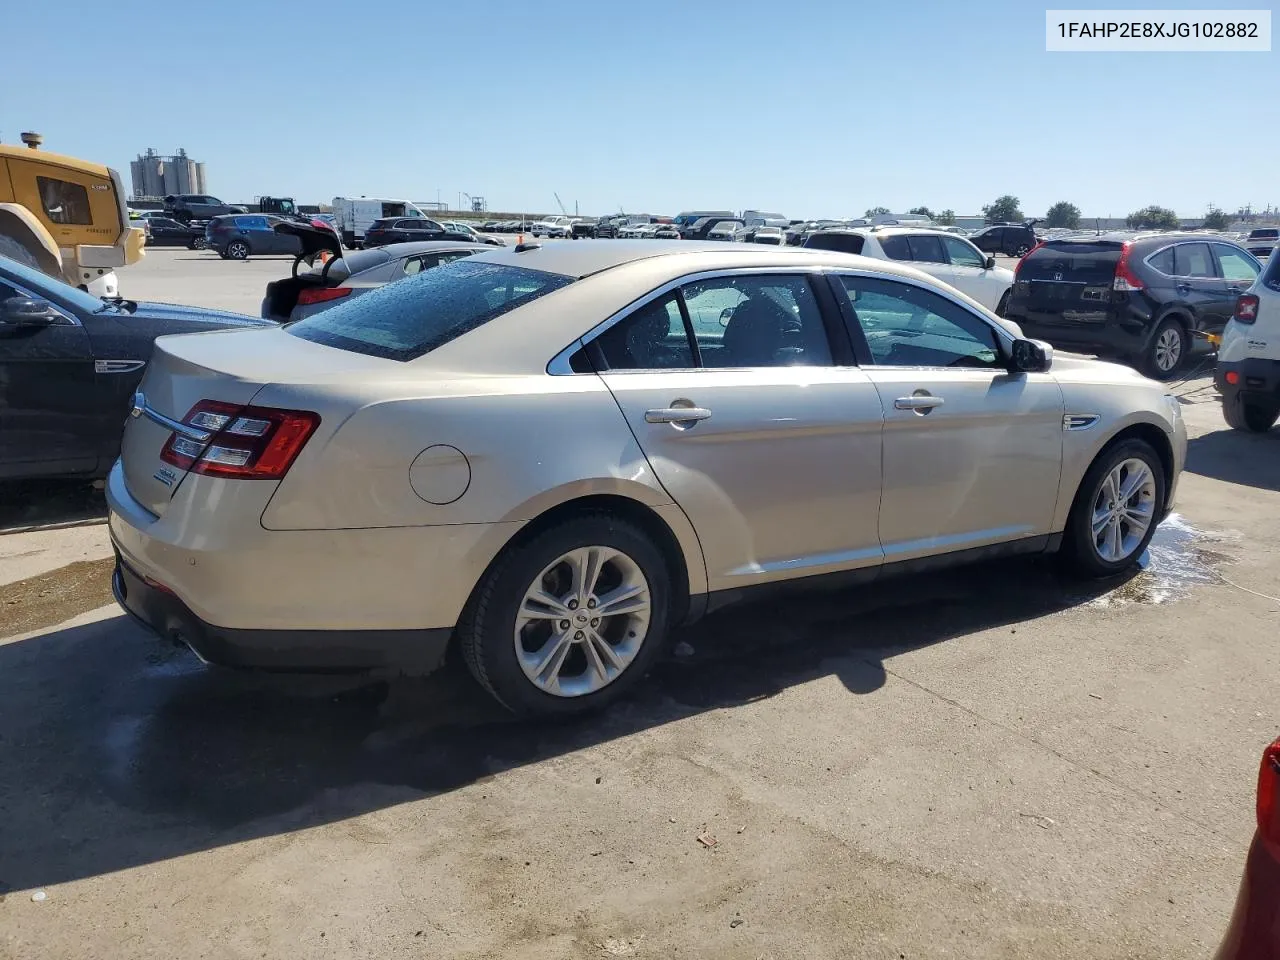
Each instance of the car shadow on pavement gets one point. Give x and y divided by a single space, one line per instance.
120 750
30 503
1250 459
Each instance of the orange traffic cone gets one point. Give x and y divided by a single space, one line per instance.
519 239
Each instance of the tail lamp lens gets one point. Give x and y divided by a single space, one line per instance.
246 443
322 294
1269 795
1246 308
1125 280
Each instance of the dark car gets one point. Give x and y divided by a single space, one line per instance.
1254 931
699 228
323 276
198 206
607 227
249 234
69 365
1140 299
406 229
1261 241
1011 239
583 230
166 232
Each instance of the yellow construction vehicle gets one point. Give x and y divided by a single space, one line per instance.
66 217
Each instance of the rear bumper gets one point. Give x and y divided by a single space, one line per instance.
1253 375
326 651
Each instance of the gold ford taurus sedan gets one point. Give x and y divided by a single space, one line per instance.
555 454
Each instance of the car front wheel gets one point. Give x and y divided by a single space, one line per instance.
1116 510
1252 416
569 620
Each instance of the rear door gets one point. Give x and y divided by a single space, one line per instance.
972 453
755 421
48 395
1063 290
1198 286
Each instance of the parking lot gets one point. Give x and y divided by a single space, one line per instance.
990 762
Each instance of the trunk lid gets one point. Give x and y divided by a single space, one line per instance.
229 366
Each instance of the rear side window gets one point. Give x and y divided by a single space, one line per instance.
896 248
1163 261
927 248
1192 260
411 317
838 242
64 202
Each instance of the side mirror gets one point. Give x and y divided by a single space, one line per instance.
1031 356
989 263
27 312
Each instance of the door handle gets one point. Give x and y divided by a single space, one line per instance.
676 414
918 403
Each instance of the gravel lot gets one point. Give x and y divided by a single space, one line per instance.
991 762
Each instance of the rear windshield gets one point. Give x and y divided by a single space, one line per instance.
1263 234
839 242
1075 261
412 317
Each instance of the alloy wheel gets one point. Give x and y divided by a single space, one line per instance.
582 621
1168 349
238 251
1123 510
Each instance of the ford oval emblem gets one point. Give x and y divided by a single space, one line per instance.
139 401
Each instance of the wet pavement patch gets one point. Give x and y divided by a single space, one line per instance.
55 597
1179 558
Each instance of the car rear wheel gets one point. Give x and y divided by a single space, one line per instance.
1166 351
237 250
1116 510
1253 416
569 620
1021 250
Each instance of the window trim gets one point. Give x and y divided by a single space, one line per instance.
1004 339
558 365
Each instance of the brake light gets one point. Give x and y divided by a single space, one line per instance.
1023 258
245 443
1246 308
322 294
1269 794
1125 279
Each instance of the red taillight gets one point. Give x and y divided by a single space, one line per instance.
1125 279
322 294
1246 308
1023 258
246 443
1269 794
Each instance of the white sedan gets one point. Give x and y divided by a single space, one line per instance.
552 455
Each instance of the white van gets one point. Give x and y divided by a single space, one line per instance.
353 215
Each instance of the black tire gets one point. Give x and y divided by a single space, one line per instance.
1079 546
1003 305
1154 360
1249 415
486 635
237 250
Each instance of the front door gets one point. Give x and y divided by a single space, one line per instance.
48 408
972 453
772 449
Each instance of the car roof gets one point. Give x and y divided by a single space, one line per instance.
588 257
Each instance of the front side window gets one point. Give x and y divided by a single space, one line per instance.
412 317
64 202
927 248
1236 264
1192 260
908 326
963 254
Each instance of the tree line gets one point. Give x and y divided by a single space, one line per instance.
1006 209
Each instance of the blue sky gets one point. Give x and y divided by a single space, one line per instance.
807 108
